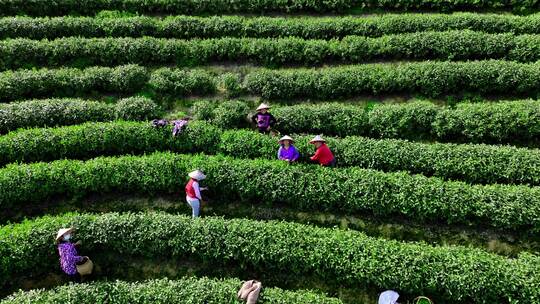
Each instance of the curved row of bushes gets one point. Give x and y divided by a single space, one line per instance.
186 290
70 82
65 7
100 139
453 45
426 78
470 163
187 27
516 122
348 258
304 187
64 112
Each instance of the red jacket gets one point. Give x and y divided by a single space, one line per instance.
323 155
190 191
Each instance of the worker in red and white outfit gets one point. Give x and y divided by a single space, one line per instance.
193 191
323 155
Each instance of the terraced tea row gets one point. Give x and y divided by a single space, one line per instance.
516 122
454 45
307 188
64 112
187 290
64 7
186 27
470 163
344 257
427 78
504 243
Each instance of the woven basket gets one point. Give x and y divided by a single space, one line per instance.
86 268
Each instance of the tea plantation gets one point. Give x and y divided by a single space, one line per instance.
430 108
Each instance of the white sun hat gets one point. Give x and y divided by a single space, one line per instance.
317 138
263 106
286 137
197 174
62 232
388 297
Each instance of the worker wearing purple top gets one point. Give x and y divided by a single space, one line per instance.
287 151
68 254
263 119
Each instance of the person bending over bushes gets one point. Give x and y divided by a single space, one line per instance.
287 151
263 119
323 155
69 258
193 191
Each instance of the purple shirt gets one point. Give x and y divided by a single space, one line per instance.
69 258
263 121
290 154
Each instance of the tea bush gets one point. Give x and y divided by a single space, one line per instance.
186 290
71 82
175 82
427 78
498 123
516 122
344 257
305 187
63 112
226 115
452 45
97 139
471 163
187 27
188 7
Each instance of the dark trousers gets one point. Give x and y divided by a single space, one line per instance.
331 164
76 278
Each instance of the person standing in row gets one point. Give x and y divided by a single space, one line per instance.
323 155
287 151
193 191
263 119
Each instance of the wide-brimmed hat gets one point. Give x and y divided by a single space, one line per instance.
388 297
286 137
197 174
62 232
317 138
263 106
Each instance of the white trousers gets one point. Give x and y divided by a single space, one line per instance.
195 205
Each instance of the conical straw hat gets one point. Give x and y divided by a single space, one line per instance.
263 106
286 137
62 232
197 174
317 138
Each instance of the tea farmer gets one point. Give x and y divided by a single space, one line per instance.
263 119
193 191
323 155
69 258
388 297
287 151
